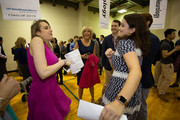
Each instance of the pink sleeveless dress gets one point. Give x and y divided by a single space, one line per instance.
46 100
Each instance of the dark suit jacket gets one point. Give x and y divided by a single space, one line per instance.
63 51
68 47
107 43
147 79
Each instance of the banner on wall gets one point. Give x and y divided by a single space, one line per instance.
158 11
104 8
20 9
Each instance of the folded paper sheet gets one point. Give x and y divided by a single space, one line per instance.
76 61
91 111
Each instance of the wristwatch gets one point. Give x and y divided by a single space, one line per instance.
122 99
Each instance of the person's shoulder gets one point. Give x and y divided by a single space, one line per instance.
78 41
36 40
165 43
93 41
178 42
109 36
126 42
153 36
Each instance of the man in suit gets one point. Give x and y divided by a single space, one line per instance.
147 79
108 42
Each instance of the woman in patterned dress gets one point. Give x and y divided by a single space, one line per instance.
123 94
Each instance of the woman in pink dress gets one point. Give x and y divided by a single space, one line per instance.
46 100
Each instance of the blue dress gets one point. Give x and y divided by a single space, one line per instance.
83 49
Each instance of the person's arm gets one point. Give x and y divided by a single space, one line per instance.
38 52
166 54
9 87
109 53
115 109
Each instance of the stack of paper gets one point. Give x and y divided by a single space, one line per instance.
76 60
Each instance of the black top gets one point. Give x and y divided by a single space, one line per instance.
63 51
107 43
57 50
147 79
166 45
2 60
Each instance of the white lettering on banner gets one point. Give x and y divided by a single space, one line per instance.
104 9
157 10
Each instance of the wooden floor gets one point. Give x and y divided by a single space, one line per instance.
157 109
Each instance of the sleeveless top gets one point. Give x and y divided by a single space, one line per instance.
46 100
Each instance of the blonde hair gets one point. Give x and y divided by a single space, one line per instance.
87 28
35 27
20 42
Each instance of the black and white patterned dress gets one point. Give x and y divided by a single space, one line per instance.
119 76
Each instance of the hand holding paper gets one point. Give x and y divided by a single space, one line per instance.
76 61
90 111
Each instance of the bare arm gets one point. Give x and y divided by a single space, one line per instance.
115 109
166 54
9 87
37 50
109 53
134 76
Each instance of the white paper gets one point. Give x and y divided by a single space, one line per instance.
76 61
91 111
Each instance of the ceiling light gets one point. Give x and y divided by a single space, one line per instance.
122 11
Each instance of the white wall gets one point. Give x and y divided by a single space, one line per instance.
94 23
65 24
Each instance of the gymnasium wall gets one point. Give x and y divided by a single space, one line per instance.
66 23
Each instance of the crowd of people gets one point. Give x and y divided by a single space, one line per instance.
126 55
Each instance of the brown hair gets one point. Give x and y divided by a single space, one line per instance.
35 27
148 17
141 34
20 42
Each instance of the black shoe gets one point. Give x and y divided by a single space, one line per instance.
24 98
61 83
22 88
178 98
174 85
